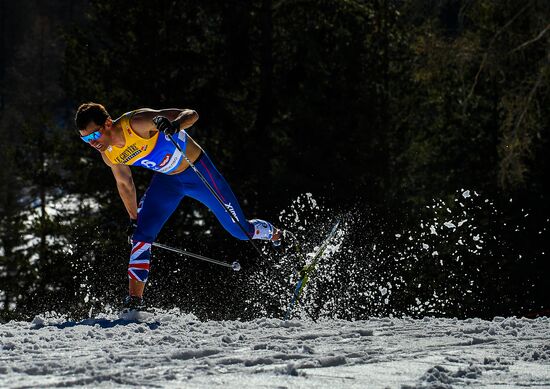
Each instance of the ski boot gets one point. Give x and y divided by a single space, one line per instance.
279 242
133 303
265 231
134 310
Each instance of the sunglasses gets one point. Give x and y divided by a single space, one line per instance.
92 136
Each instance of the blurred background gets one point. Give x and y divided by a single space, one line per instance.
422 124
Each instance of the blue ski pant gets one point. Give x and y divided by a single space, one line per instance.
166 191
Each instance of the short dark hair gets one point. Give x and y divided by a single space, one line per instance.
89 112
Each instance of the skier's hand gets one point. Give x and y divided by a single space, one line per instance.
132 225
165 125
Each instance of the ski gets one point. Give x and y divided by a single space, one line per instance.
308 269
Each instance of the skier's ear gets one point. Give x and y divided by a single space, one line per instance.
108 123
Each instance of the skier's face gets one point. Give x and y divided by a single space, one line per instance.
99 137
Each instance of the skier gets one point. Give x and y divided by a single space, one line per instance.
141 138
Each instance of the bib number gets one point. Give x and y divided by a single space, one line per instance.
148 164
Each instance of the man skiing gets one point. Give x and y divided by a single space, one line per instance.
142 138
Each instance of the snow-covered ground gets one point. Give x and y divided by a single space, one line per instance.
175 350
169 349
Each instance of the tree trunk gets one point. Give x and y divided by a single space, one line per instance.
264 114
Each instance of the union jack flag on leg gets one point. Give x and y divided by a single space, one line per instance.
140 257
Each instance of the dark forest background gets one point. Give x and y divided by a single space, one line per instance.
377 108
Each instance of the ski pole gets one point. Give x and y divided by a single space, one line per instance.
235 265
199 174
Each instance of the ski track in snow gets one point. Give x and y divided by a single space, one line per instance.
168 349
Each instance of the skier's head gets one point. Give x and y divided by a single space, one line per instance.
94 125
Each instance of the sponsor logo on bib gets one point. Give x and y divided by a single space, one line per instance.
128 153
165 160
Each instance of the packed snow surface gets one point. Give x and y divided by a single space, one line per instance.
169 349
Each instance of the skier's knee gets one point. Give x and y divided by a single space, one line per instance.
140 257
144 234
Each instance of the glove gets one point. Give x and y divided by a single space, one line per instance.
131 229
165 125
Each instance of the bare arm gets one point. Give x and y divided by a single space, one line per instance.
125 186
142 120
